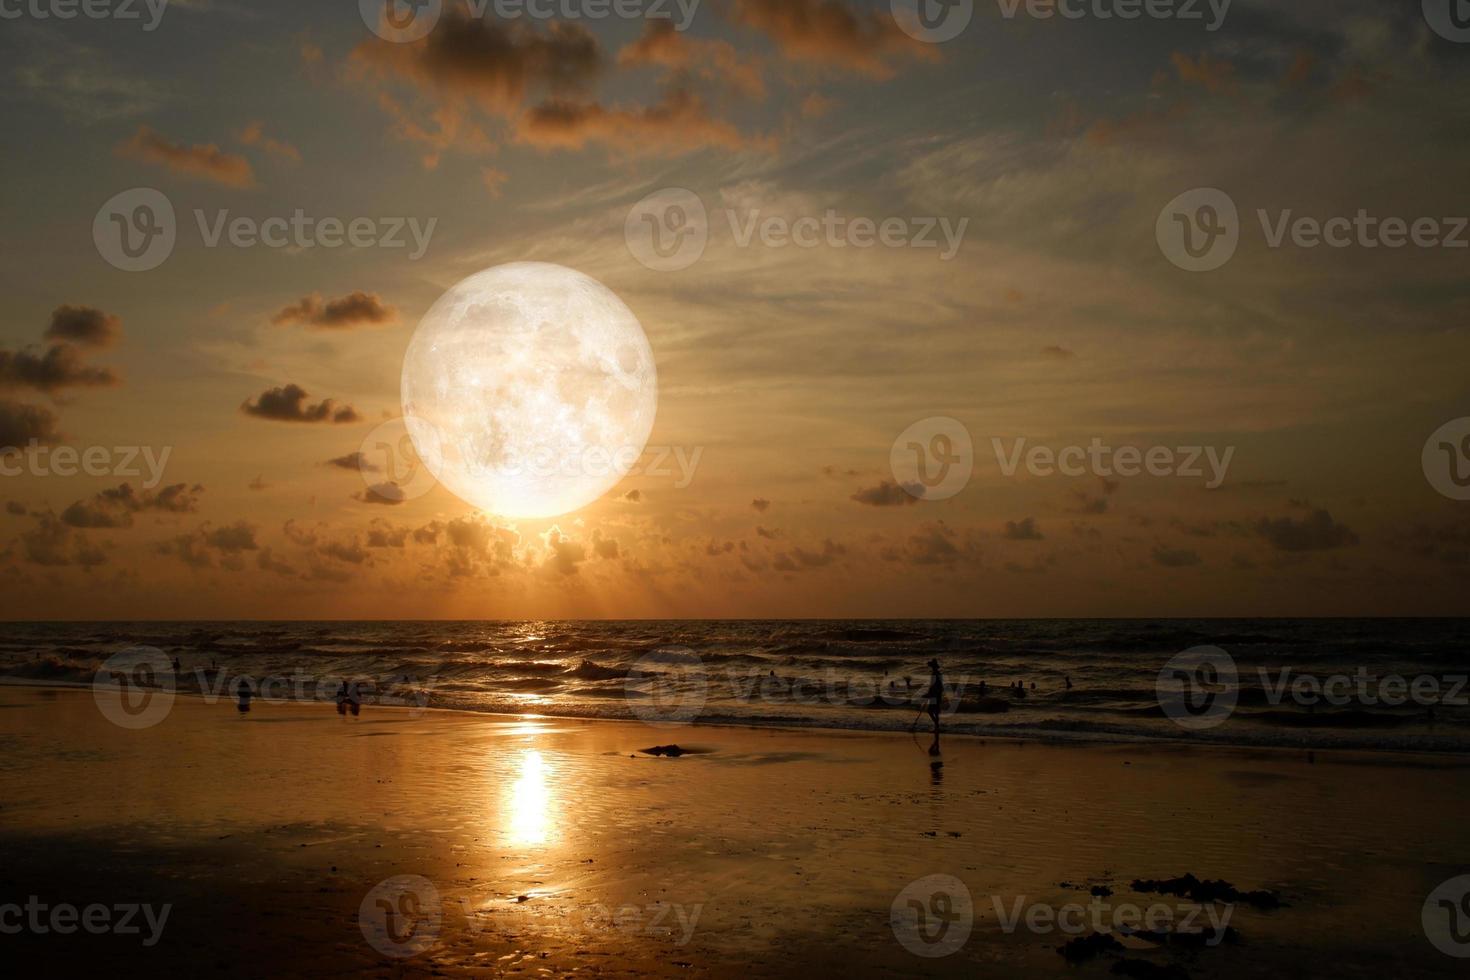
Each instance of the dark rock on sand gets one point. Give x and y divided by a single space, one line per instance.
1208 938
672 751
1215 890
1085 948
1101 891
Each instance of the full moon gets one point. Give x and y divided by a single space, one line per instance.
529 389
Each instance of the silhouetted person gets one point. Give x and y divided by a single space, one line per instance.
1069 681
934 697
243 693
982 689
342 699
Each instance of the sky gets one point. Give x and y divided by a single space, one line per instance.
1050 187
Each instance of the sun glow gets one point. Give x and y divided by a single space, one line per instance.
530 802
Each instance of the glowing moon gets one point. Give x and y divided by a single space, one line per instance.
529 389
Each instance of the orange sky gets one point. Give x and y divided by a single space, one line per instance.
786 371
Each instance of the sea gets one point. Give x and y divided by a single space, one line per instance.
1394 684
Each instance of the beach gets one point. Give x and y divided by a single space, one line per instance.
551 845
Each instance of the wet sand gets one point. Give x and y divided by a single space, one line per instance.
552 846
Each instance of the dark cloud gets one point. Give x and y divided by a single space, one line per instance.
564 555
15 507
1095 503
888 494
633 496
493 63
1175 557
388 493
602 546
115 507
761 504
1025 530
289 404
1317 532
353 461
52 543
84 325
357 309
680 122
198 548
204 161
20 424
382 534
832 33
58 368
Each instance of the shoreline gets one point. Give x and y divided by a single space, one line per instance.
1009 736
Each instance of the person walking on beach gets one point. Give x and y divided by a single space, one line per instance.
243 693
933 697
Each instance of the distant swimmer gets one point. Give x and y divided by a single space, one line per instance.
177 668
1068 679
243 693
342 699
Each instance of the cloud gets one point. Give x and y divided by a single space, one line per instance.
388 493
52 543
604 547
15 507
663 45
382 534
1175 557
833 34
491 63
254 135
198 548
115 507
1318 532
494 181
931 544
20 424
887 494
352 461
1026 530
288 404
204 161
356 309
761 504
1095 503
634 496
564 554
84 325
679 123
58 368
